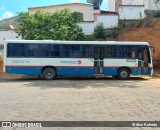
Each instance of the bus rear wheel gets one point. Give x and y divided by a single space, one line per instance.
49 74
123 74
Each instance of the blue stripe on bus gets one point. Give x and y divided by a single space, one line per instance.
110 71
150 71
38 71
113 71
74 71
134 71
68 71
24 71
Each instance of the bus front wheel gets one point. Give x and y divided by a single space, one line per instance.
123 73
49 74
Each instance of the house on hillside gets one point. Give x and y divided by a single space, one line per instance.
136 9
90 12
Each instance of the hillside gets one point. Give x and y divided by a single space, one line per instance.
149 34
5 22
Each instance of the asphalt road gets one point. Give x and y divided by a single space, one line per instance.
74 99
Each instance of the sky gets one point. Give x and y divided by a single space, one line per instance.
10 8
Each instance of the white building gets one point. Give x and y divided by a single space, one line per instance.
136 9
9 34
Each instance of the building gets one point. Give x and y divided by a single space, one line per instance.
7 34
136 9
86 10
90 13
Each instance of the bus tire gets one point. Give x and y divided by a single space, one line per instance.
123 74
49 74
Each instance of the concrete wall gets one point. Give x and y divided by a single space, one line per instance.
86 9
88 27
109 21
4 35
131 12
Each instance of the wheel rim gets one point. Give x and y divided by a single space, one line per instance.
124 74
49 75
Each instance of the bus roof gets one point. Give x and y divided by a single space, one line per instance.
79 42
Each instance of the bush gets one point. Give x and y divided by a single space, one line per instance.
157 14
99 31
112 33
143 22
89 37
121 24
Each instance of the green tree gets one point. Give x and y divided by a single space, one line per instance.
99 31
60 25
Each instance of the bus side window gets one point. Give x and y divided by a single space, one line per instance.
33 50
114 51
131 52
121 51
75 51
140 53
89 51
145 55
108 51
86 51
16 50
55 50
66 50
11 52
45 50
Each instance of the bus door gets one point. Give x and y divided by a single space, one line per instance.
143 59
98 60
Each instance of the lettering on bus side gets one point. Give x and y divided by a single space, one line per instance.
20 61
72 62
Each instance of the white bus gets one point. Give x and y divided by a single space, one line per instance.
49 58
